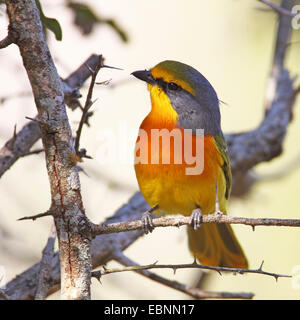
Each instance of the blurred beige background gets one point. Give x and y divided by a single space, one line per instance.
231 43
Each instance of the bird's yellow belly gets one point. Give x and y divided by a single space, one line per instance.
168 185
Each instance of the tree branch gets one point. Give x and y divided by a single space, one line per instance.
191 291
8 40
181 221
104 246
265 142
134 267
71 223
24 286
30 133
88 102
44 279
278 9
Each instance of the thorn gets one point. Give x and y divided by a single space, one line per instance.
195 261
14 137
253 227
97 275
35 120
91 103
261 265
109 67
154 263
80 169
223 102
174 270
276 278
41 122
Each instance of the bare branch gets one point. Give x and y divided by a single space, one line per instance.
24 286
37 151
72 226
40 215
191 291
45 280
282 39
194 265
23 141
181 221
265 142
88 103
30 133
8 40
278 9
103 249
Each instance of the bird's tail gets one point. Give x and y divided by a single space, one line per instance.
216 245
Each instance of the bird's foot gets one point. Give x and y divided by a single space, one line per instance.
146 219
196 219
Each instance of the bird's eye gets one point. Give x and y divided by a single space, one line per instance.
173 86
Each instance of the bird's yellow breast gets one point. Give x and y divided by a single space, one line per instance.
168 185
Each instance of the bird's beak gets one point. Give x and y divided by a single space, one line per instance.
144 75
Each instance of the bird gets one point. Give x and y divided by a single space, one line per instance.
185 105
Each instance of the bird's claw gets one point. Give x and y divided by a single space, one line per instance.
196 219
147 223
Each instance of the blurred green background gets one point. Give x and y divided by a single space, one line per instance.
231 43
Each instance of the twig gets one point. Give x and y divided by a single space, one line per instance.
193 265
45 280
278 9
31 133
191 291
8 40
180 221
88 103
40 215
37 151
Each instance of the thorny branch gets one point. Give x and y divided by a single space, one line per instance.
30 133
98 274
181 221
74 236
88 103
44 281
190 291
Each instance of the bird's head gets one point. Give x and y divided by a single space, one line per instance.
187 92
